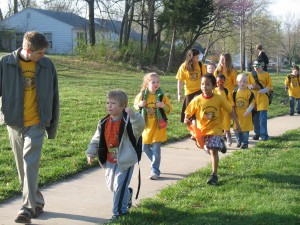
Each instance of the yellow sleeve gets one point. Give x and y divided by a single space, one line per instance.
137 99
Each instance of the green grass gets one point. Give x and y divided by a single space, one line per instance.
83 86
258 186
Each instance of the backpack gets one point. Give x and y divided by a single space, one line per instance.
138 146
162 112
250 99
269 94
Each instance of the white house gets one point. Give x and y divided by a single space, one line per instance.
62 30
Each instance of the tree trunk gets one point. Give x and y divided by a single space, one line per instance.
129 22
150 35
172 50
92 34
142 26
15 6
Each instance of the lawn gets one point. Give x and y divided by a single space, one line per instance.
260 186
83 86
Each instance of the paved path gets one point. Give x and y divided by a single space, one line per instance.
85 199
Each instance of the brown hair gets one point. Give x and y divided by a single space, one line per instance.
34 41
228 67
118 95
189 64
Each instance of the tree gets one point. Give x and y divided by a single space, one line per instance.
91 7
190 16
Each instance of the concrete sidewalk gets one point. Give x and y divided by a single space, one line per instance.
85 199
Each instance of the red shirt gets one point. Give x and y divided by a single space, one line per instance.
111 134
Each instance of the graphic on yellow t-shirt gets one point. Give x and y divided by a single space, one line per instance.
31 115
194 75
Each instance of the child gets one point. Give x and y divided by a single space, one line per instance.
244 102
210 68
115 150
207 108
292 85
221 90
153 105
225 67
189 74
261 88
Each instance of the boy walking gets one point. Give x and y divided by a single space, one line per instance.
260 82
116 153
30 104
292 85
244 102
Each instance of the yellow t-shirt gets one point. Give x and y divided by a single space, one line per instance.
261 100
294 86
31 112
208 113
241 105
191 79
152 133
225 115
230 81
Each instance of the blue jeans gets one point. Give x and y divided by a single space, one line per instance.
153 152
118 182
292 105
242 137
260 124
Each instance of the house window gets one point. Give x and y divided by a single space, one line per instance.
80 38
19 39
49 38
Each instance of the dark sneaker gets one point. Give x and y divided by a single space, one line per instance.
38 211
255 137
23 218
213 180
244 146
291 114
129 204
223 148
238 144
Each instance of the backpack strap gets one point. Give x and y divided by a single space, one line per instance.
138 148
234 95
226 92
254 75
251 97
200 65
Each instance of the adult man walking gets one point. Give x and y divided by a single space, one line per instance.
30 104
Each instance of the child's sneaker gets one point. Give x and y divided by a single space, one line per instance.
229 141
213 180
153 176
223 148
238 144
244 146
129 204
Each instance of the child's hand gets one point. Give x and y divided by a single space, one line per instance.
129 111
142 104
90 160
160 104
187 121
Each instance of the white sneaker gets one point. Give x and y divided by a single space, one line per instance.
153 176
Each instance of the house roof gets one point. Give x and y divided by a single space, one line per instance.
115 26
68 18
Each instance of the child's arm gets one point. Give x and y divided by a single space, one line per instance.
249 109
137 122
165 105
93 147
233 116
179 90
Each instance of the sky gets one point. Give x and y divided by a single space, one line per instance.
278 8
